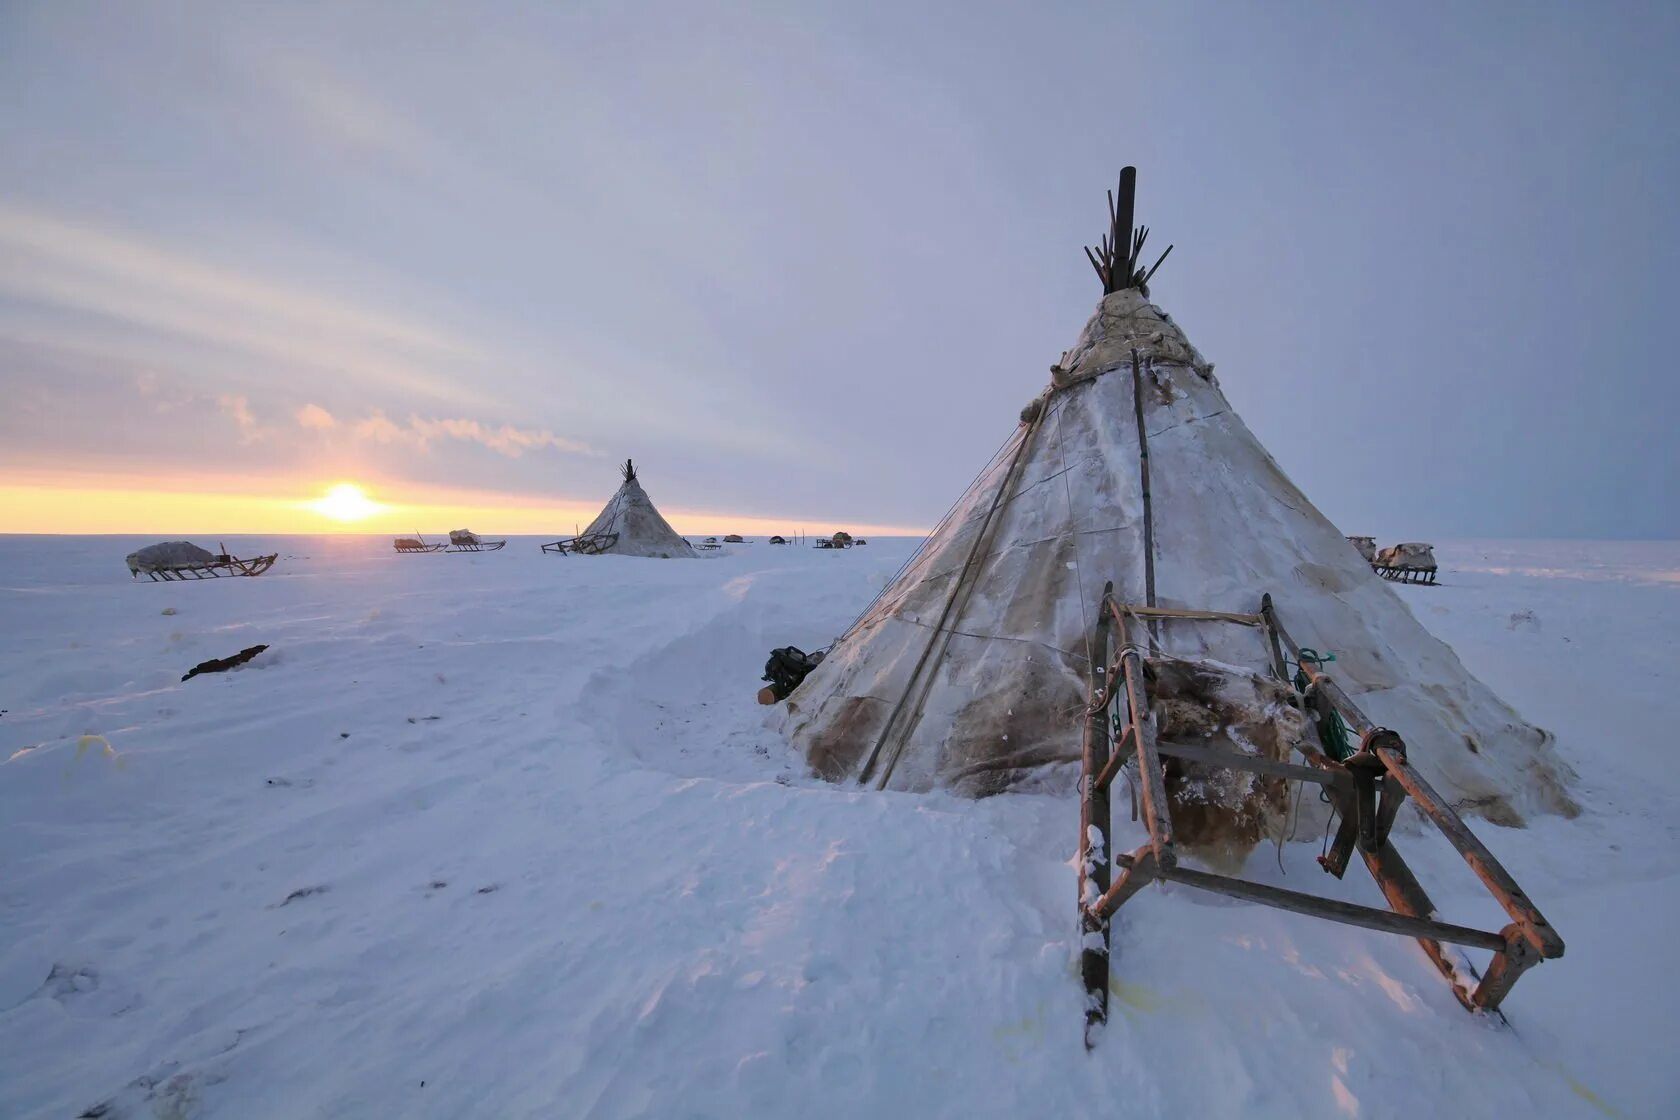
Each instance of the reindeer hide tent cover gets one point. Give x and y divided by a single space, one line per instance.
637 524
971 670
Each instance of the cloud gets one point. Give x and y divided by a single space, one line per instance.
316 418
152 287
239 409
504 439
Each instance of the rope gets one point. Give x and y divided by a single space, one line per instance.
927 540
1332 729
959 585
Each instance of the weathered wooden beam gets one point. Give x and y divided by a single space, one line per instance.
1407 896
1179 612
1148 507
1488 869
1123 225
1094 837
1150 775
1253 763
1141 869
1518 956
1348 913
1117 758
1268 615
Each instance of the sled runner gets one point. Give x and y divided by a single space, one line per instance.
1406 563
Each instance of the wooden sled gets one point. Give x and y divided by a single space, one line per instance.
1366 789
221 565
588 544
417 544
474 544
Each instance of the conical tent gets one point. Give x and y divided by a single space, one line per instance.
972 668
633 526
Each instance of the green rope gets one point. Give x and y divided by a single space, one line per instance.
1332 729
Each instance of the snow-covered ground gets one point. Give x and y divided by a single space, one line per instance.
505 835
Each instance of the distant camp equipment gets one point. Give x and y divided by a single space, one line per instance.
1107 595
778 540
629 525
172 561
465 540
1407 563
733 538
418 544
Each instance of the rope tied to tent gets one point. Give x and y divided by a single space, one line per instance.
1332 728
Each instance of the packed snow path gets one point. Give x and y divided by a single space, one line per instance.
506 835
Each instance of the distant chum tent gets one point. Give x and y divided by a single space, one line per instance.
1133 571
628 525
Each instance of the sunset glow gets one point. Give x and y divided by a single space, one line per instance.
345 501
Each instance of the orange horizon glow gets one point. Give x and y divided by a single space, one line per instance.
247 507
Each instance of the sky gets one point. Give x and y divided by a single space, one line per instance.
805 263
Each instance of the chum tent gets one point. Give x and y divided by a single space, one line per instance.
1133 571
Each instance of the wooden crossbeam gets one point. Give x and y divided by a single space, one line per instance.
1180 612
1254 763
1348 913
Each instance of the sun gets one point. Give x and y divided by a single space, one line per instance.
345 501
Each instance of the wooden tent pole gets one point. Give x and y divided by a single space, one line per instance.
1148 508
1094 816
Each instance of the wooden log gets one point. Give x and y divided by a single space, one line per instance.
1094 836
1253 763
1117 759
1141 869
1507 966
1123 225
1407 896
1150 775
1488 869
1348 913
1268 616
1393 795
1148 507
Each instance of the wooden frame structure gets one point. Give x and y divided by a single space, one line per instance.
586 544
1367 789
222 564
417 545
473 544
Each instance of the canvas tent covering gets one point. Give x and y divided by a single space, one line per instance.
168 555
971 670
639 528
1413 556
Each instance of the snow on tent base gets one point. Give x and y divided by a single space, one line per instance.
629 525
171 561
981 665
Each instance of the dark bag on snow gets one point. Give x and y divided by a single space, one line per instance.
787 667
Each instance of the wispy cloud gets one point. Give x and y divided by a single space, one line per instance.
315 418
239 409
504 439
145 285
